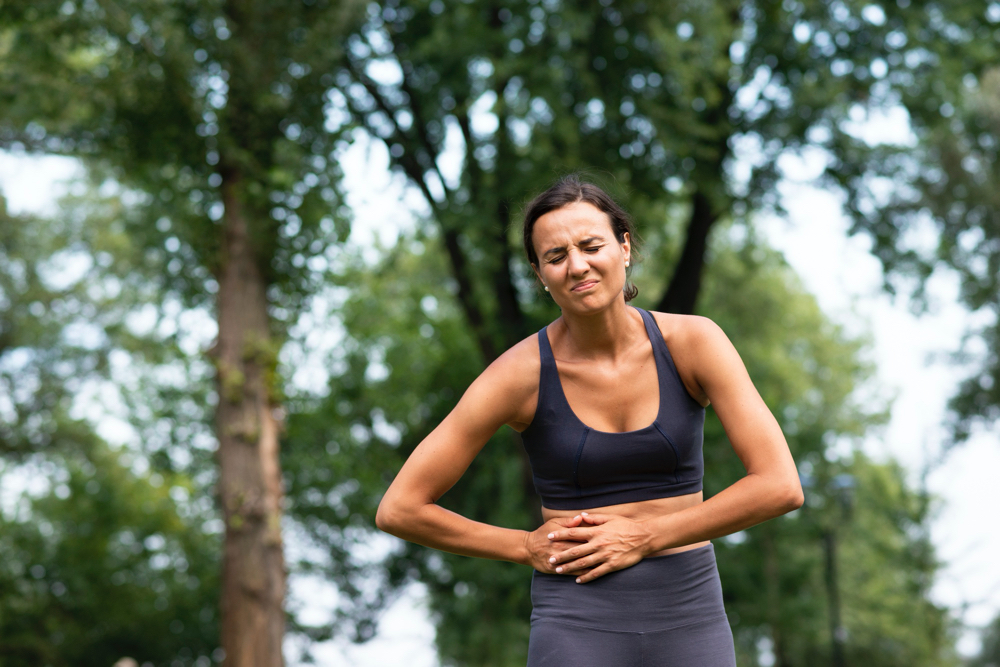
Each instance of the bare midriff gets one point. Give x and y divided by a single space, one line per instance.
640 511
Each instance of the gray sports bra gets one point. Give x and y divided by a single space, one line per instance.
576 467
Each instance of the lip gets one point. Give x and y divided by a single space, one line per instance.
585 285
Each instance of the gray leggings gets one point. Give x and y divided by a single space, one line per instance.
662 611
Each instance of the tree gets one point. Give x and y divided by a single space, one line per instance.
107 564
104 561
214 118
944 188
690 105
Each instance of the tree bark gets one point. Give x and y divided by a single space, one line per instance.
247 426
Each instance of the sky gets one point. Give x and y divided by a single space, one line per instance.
910 353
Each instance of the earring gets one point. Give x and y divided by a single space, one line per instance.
626 263
546 288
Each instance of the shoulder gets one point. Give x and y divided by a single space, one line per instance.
518 366
698 347
689 332
508 388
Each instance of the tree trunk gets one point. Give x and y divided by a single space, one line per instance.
682 294
837 633
772 578
247 426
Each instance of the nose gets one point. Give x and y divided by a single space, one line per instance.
578 264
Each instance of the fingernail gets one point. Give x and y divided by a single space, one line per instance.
551 535
559 569
579 580
552 560
584 513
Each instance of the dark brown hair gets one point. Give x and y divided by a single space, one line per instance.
569 190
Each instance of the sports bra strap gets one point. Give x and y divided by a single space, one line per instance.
550 375
549 386
660 349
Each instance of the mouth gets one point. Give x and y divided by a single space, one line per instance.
584 286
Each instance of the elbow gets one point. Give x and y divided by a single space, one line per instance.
791 496
396 515
386 517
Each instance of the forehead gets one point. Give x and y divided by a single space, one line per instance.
570 223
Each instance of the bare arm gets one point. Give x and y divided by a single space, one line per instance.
503 394
770 488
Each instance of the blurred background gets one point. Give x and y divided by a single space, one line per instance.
252 252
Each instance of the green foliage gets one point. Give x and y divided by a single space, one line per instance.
83 310
39 366
989 655
171 99
662 98
888 566
107 563
932 206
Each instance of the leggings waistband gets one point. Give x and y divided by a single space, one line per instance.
657 593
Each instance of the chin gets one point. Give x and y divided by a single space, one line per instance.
588 304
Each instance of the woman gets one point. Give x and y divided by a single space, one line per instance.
609 400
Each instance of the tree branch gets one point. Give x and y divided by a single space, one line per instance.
449 233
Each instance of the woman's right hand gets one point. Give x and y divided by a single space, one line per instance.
540 548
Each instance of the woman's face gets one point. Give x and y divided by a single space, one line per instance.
579 258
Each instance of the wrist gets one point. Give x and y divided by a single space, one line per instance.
649 537
523 556
657 534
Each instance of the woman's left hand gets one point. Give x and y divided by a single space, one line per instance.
608 542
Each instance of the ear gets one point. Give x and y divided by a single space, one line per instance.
627 246
534 267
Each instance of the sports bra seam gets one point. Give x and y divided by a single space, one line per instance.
677 458
576 461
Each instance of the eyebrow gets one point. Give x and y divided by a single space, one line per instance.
585 241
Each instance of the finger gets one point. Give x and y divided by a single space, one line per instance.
568 521
571 553
555 525
596 519
578 565
572 534
590 575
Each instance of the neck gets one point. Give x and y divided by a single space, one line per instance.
602 334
